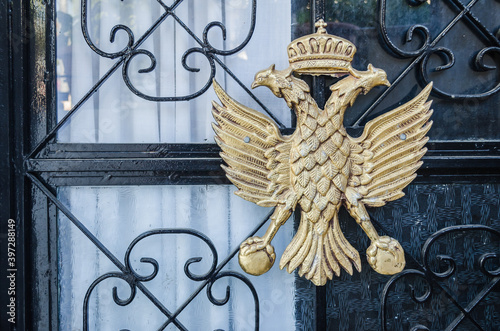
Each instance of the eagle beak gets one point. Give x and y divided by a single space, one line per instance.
254 84
386 82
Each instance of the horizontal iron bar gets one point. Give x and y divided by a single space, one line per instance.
135 178
96 151
86 151
197 164
431 161
219 178
123 165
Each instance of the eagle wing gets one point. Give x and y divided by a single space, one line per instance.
254 149
384 159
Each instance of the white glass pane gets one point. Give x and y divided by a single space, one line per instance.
117 216
113 114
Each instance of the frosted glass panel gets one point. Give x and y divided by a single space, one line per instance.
117 216
114 114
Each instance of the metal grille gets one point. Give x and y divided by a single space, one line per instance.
46 168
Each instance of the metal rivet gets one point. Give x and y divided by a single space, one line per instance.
246 139
402 136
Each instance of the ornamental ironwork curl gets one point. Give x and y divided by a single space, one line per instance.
135 280
225 300
132 278
428 47
431 277
420 54
131 50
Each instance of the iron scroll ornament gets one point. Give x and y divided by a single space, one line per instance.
431 279
136 281
320 167
131 50
429 47
132 278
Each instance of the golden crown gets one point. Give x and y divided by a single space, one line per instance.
321 53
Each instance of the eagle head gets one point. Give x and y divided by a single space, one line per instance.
274 79
371 78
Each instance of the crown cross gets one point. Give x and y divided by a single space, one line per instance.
321 25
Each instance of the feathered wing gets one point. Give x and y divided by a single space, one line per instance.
254 149
384 159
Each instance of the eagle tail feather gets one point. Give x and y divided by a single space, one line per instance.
320 255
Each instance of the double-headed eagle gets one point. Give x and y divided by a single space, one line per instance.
320 167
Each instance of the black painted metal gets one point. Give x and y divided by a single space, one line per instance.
432 277
16 198
6 180
421 55
132 49
135 281
444 160
319 94
52 196
49 165
132 278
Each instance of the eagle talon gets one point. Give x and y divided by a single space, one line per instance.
256 257
251 245
386 256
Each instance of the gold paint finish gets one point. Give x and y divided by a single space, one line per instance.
321 53
320 167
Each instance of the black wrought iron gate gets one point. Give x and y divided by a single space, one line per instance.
448 222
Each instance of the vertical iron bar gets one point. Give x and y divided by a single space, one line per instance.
318 88
318 91
19 87
7 179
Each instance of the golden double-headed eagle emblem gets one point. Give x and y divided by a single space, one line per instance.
320 167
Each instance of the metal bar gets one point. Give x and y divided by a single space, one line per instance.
18 86
101 247
481 295
7 179
122 165
219 268
82 151
454 148
219 178
476 24
417 60
96 86
319 85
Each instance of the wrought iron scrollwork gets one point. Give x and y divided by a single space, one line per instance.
132 50
442 268
132 278
428 47
221 302
136 281
421 53
86 35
